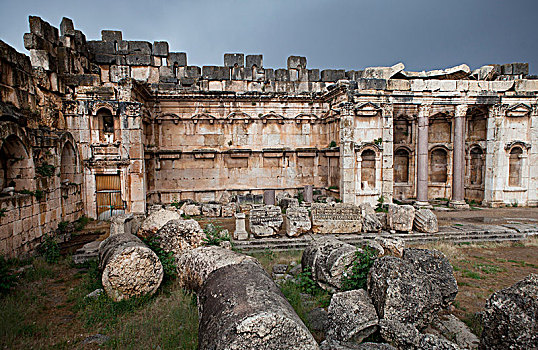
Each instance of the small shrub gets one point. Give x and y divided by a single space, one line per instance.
175 203
62 226
167 258
81 222
38 194
7 279
213 235
3 212
379 207
45 169
332 144
378 141
333 187
49 249
356 277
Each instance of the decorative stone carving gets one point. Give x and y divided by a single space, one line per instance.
265 221
297 221
336 218
425 221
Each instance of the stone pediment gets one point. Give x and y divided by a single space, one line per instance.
203 117
238 116
272 116
518 110
367 109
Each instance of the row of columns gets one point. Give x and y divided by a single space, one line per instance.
458 159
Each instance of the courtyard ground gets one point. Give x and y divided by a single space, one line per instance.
47 308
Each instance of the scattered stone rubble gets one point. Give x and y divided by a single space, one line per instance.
265 221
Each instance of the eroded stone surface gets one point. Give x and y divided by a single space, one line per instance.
297 221
336 218
510 317
400 217
265 221
156 220
179 235
352 316
425 221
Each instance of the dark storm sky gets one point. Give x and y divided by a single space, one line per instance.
423 34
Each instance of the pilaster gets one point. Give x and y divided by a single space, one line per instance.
387 165
422 154
347 151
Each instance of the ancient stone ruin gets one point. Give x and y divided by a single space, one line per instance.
110 126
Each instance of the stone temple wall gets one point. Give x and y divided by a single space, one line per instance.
126 123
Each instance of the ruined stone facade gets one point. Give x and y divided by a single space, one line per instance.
124 124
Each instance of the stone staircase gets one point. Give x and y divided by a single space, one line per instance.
456 233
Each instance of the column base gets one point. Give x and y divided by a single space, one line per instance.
459 205
423 205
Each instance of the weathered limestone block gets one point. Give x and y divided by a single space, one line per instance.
228 210
179 235
435 265
297 221
400 217
425 221
370 222
329 344
352 316
191 209
328 258
211 210
382 72
336 218
242 308
225 198
392 246
402 293
451 327
130 268
510 317
156 220
121 224
265 221
406 336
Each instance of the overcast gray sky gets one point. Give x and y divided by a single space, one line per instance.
349 34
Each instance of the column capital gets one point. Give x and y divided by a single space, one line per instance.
424 110
461 110
347 108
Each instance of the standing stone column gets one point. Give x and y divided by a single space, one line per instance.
422 154
347 151
240 232
458 159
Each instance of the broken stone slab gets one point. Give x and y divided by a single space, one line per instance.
160 49
156 220
400 217
391 246
228 210
296 62
191 209
211 209
254 61
297 221
370 221
176 236
121 224
234 60
330 344
436 266
454 73
336 218
425 221
406 336
352 316
510 317
89 251
242 308
265 221
401 293
327 259
382 72
130 268
452 328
